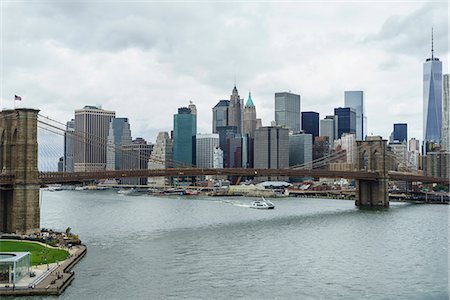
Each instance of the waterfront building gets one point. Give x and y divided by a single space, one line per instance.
220 115
346 120
14 266
206 146
432 100
91 129
329 128
300 149
235 110
218 158
310 123
287 111
184 132
321 147
400 133
135 156
436 164
118 136
446 113
161 158
355 100
400 154
271 148
250 120
69 140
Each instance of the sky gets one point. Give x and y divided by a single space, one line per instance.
144 59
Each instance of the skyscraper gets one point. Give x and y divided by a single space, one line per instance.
91 129
206 145
118 136
271 148
310 123
400 132
287 110
249 117
184 132
329 128
161 158
355 100
235 111
69 140
135 156
220 115
446 114
346 120
300 149
432 99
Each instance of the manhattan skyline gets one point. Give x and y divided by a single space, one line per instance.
126 56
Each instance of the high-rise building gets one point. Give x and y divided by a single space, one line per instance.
220 115
135 156
118 136
355 100
225 133
184 132
300 150
346 120
287 111
310 123
249 117
413 154
206 145
400 132
321 147
91 130
446 113
432 99
61 164
235 110
218 158
161 158
347 142
400 154
271 148
329 128
69 140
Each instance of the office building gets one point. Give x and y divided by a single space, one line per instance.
69 139
250 120
206 145
310 123
300 150
184 132
400 154
355 100
135 156
287 111
436 164
91 129
119 135
235 110
271 148
400 133
347 142
321 147
346 120
432 100
61 164
446 113
226 133
161 158
329 128
218 158
220 115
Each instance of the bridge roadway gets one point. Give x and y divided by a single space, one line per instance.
78 177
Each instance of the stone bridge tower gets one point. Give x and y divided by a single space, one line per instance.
373 157
19 202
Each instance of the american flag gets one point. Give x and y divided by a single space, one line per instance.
17 98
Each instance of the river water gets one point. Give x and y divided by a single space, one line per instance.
149 247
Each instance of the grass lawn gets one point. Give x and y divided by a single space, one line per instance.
38 251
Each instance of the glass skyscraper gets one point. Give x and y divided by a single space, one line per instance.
446 114
355 100
346 120
432 99
287 110
400 132
184 132
310 123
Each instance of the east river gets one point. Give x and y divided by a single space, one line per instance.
149 247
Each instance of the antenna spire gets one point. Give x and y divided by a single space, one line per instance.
432 46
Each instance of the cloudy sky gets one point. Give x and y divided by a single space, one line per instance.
144 59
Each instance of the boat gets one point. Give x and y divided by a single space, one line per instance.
262 204
125 191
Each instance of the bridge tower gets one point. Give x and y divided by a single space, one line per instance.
19 202
373 156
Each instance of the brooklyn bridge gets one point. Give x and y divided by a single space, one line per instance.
20 179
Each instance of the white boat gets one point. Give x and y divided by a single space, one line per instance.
262 204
